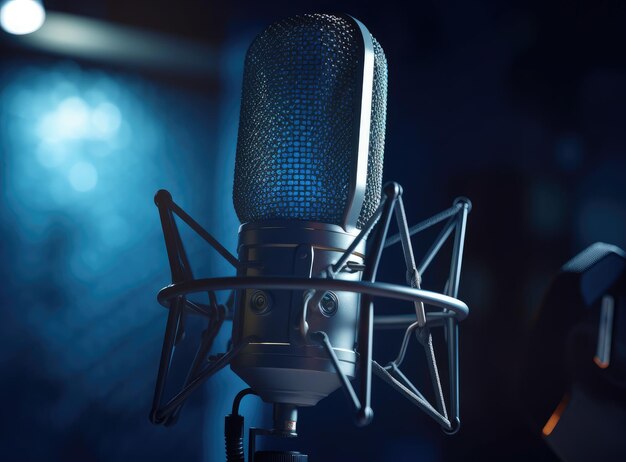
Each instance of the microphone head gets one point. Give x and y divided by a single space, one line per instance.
312 123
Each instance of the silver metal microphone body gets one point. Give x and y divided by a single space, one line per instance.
308 176
284 367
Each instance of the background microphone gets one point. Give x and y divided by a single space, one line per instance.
307 178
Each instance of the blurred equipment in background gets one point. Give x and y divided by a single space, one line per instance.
308 191
576 365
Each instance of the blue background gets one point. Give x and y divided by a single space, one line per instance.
519 106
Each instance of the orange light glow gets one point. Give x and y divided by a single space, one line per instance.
601 364
555 417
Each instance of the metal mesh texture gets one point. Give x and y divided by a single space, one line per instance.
298 120
590 256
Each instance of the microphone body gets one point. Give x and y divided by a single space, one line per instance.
283 368
308 176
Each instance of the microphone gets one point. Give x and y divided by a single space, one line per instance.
315 222
308 173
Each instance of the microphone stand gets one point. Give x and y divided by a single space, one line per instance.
285 421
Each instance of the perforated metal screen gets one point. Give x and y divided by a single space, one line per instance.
297 124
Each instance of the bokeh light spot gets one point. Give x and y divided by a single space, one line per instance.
69 121
21 17
83 176
72 117
106 120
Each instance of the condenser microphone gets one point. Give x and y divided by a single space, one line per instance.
308 174
314 223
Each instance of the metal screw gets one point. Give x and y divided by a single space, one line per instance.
329 304
260 302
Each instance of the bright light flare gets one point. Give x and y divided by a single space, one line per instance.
21 17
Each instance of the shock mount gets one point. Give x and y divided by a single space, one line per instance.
448 313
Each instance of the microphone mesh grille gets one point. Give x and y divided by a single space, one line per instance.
296 127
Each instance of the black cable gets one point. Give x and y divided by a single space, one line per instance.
239 397
233 430
233 435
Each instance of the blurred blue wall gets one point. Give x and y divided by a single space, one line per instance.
83 151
